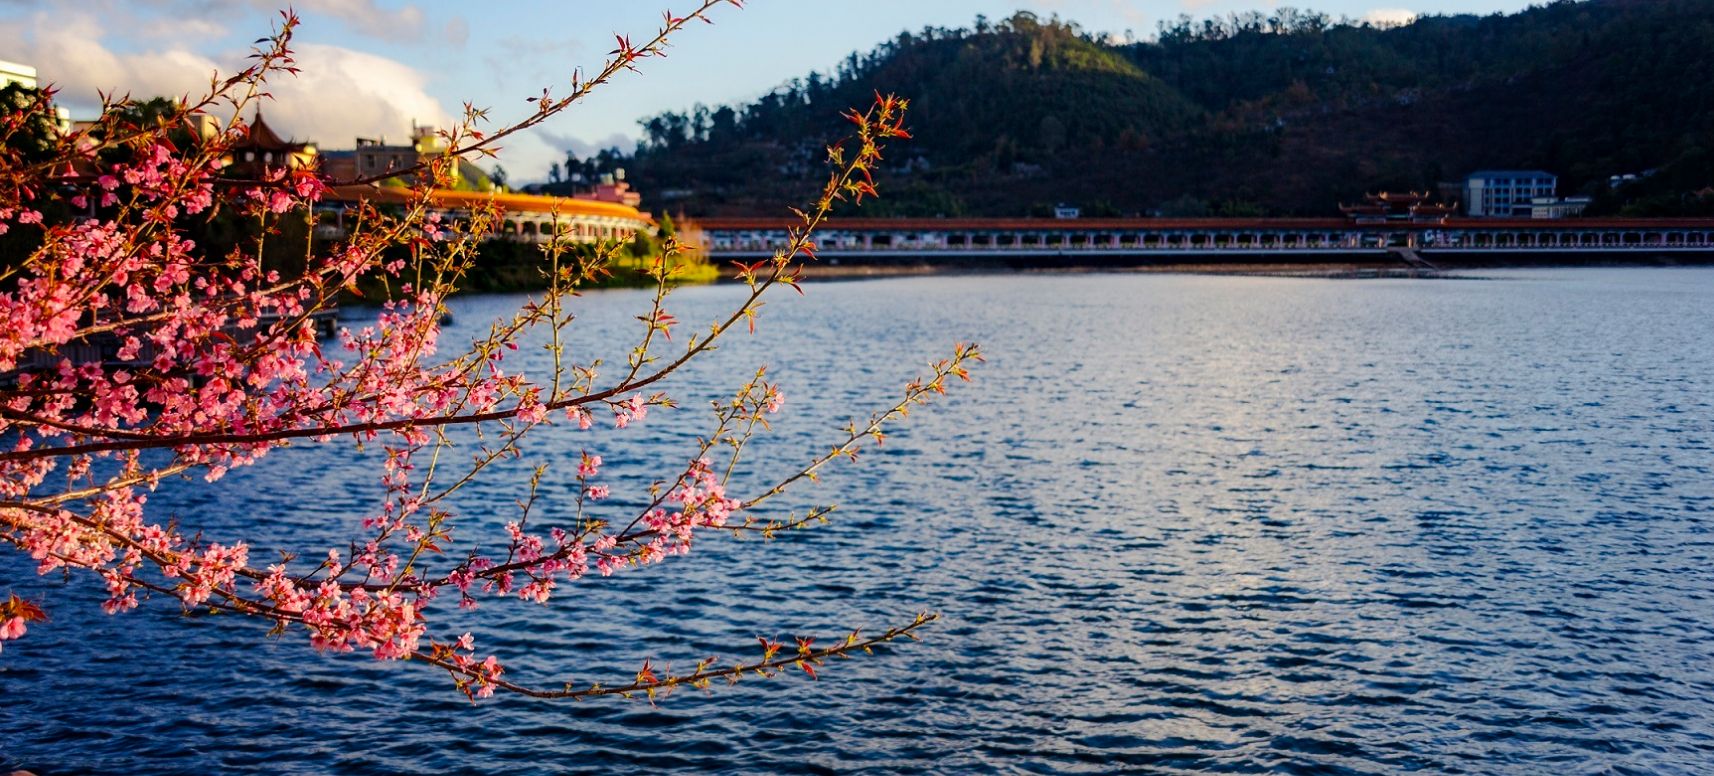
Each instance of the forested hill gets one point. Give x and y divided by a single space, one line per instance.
1284 112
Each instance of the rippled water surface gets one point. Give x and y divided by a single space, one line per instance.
1180 524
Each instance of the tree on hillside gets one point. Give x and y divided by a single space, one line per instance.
206 362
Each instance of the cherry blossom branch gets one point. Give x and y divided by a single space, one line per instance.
216 363
473 679
882 121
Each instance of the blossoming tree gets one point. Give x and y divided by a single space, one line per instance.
132 356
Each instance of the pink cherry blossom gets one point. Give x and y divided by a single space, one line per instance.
208 361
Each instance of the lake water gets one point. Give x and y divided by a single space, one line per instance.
1179 524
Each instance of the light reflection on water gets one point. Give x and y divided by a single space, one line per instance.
1180 524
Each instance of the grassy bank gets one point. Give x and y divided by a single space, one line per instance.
510 267
528 272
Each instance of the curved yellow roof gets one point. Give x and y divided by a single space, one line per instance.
447 198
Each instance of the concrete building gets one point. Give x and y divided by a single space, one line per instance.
1554 207
14 73
374 158
613 188
25 76
1506 193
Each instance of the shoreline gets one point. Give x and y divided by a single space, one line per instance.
1323 266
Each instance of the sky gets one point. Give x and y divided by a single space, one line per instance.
373 67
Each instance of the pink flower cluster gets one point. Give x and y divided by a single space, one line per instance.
631 410
131 355
216 360
701 502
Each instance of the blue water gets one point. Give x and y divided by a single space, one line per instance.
1180 524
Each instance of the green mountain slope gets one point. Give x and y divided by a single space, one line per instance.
1285 113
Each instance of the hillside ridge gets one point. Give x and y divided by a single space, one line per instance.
1281 113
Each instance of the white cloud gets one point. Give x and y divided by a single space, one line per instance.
365 17
457 31
179 29
202 19
1390 17
67 51
339 94
525 63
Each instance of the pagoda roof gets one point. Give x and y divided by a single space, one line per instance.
258 134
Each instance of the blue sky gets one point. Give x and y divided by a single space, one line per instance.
374 66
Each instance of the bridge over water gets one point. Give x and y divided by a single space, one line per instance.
1216 239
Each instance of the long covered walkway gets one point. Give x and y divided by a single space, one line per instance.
752 237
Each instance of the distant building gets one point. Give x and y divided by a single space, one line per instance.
1387 206
375 159
14 73
613 188
1506 193
25 76
1629 178
1554 207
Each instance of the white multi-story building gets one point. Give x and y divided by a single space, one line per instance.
14 73
25 76
1554 207
1506 193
